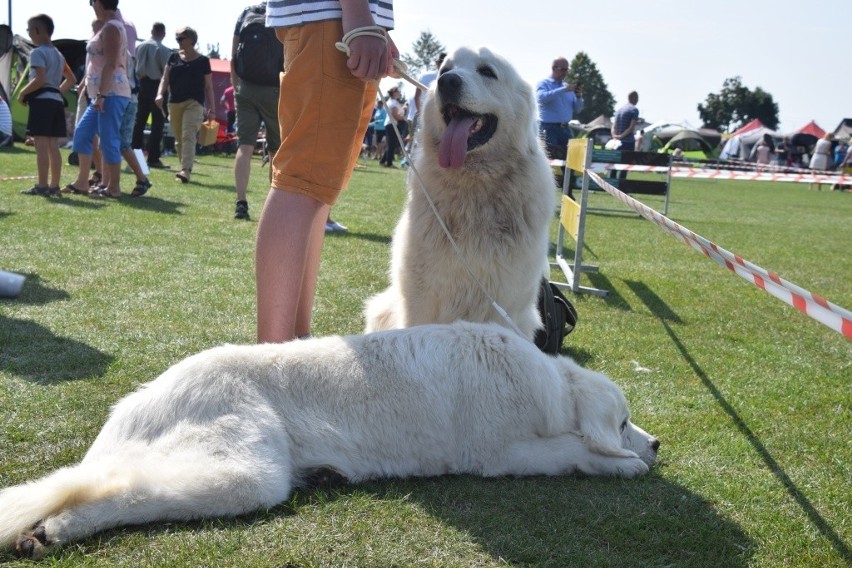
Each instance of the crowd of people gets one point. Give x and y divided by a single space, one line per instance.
123 87
120 89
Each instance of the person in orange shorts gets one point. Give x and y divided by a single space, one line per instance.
324 107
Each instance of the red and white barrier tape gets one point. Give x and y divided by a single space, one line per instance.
808 177
742 173
18 178
813 305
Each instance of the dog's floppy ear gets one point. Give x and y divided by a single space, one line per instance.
601 410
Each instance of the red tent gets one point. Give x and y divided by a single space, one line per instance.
221 71
748 127
807 135
811 128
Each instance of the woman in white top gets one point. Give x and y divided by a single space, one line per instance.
821 160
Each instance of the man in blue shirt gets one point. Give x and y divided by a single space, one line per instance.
624 126
558 101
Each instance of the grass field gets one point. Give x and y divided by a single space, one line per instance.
751 399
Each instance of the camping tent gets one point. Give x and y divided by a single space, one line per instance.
690 141
14 72
807 135
665 136
752 124
740 146
599 129
844 129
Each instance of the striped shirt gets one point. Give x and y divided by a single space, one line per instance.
290 13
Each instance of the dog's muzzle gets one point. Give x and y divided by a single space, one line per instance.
465 130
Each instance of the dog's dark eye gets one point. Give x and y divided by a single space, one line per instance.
623 426
486 71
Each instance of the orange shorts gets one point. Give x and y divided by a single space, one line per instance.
323 112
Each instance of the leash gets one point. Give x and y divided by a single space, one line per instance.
402 70
382 34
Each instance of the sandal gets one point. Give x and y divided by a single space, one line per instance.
71 188
96 178
182 176
103 193
142 187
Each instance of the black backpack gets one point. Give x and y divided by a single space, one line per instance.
558 317
260 56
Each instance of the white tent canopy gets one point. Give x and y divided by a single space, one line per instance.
740 147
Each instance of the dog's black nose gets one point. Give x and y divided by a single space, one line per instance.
449 83
655 445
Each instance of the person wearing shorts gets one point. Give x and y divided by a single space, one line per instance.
49 77
324 107
256 104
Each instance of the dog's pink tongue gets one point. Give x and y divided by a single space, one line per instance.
454 143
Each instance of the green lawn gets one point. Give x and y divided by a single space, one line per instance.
750 398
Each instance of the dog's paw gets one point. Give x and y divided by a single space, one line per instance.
630 468
32 544
626 467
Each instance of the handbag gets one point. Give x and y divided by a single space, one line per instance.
209 132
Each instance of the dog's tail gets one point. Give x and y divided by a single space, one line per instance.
22 506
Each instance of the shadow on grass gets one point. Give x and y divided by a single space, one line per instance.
150 202
613 299
36 293
579 521
34 352
536 521
660 309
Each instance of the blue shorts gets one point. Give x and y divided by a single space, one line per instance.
106 125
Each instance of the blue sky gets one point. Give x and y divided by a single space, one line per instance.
673 53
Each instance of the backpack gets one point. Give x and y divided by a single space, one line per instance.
558 317
260 56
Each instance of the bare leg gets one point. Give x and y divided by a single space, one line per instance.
242 169
82 181
289 241
41 144
55 161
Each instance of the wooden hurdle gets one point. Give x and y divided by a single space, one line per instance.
581 159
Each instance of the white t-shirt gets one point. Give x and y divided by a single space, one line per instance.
393 105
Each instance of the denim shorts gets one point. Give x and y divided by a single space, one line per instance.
106 125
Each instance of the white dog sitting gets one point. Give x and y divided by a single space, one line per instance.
480 159
236 428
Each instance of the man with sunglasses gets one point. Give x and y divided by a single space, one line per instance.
558 102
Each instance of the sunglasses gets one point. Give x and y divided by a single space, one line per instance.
181 38
561 68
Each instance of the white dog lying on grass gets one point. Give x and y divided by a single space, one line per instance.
236 428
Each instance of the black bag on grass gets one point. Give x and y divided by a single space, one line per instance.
558 316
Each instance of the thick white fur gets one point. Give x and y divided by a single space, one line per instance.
498 208
236 428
